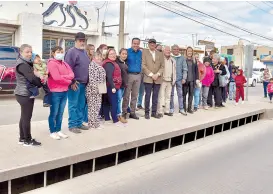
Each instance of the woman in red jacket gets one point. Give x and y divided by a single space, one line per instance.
114 81
60 77
240 80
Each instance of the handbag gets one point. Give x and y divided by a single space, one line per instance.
102 88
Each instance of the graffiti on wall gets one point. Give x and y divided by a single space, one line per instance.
68 9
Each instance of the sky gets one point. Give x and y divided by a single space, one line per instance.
145 20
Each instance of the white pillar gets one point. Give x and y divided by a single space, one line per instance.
30 31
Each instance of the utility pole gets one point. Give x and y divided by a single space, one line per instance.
121 24
248 51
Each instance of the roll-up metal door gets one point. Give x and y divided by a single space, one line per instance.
6 39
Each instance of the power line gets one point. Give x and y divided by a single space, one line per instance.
235 26
158 5
258 8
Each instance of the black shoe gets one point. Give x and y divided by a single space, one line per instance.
160 115
21 141
154 115
222 105
139 107
133 116
147 116
190 111
32 142
168 114
195 109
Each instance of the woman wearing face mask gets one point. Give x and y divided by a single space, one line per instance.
25 73
103 48
60 77
192 79
97 76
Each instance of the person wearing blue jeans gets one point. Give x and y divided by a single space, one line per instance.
140 95
196 98
79 62
112 106
265 84
120 93
179 87
181 77
58 102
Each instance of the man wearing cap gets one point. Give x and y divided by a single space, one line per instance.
153 67
134 79
79 62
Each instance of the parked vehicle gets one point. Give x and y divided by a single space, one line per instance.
8 58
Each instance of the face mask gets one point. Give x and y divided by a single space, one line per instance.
104 52
59 56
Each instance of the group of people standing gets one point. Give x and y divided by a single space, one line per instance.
99 82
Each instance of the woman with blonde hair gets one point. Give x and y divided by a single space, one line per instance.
90 49
192 80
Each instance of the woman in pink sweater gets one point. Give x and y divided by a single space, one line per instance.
60 77
206 82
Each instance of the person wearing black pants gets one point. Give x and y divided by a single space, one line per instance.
215 89
25 73
149 88
153 64
189 84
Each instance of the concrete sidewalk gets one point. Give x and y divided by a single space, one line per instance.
16 159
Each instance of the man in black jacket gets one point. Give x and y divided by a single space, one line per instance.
215 86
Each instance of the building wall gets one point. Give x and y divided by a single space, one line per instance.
262 50
238 53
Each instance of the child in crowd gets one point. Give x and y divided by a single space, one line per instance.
270 89
40 70
206 82
240 80
232 86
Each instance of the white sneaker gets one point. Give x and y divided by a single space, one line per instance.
236 103
243 102
55 136
62 135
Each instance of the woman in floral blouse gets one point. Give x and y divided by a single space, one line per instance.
97 76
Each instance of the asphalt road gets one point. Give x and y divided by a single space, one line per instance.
10 109
234 162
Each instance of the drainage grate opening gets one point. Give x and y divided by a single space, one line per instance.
227 126
209 131
145 150
255 118
189 137
242 121
218 129
4 187
82 168
162 145
176 141
27 183
248 119
58 175
200 134
261 116
105 161
126 155
234 124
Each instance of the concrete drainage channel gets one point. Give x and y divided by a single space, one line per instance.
42 179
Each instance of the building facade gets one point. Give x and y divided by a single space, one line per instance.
46 24
237 51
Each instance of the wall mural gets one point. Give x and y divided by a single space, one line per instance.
68 9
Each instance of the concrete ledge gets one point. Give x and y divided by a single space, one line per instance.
18 161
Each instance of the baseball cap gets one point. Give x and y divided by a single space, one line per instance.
152 41
80 36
